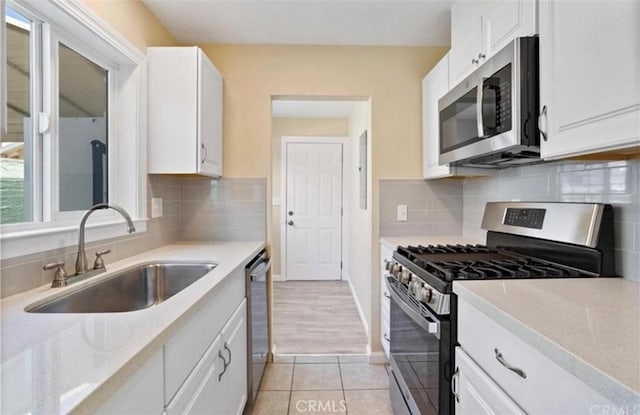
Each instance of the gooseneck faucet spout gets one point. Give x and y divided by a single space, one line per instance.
81 260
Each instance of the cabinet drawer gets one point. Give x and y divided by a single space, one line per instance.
480 337
563 393
187 346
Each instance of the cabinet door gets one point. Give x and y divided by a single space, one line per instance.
476 393
434 86
205 397
385 302
589 76
466 39
503 21
141 394
209 117
234 347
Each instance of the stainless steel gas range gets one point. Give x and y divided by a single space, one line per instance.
524 240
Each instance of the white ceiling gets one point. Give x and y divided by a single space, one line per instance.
307 22
311 109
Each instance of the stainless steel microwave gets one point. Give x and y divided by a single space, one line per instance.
490 119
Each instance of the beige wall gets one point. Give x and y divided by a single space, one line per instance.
359 264
390 76
336 127
133 20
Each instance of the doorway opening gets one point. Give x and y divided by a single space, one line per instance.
315 194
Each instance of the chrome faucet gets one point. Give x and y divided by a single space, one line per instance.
81 259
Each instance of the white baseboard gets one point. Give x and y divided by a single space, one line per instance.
360 313
278 278
377 358
345 277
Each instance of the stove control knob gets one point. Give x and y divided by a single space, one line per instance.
417 291
405 276
426 295
414 286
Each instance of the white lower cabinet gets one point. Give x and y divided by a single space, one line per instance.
500 373
476 393
386 255
201 369
217 385
141 394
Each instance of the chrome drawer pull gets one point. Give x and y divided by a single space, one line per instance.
386 338
454 387
504 363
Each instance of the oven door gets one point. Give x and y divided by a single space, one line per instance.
420 355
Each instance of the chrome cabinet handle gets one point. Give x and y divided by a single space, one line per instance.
454 383
224 369
290 223
226 347
543 113
205 153
474 61
506 364
386 294
481 56
386 337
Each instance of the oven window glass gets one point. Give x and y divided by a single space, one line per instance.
459 122
421 359
496 102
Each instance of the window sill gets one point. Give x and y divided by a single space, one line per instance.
16 244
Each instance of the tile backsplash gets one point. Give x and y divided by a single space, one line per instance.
433 207
24 273
613 182
224 210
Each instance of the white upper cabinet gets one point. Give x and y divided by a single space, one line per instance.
479 29
434 86
185 112
589 76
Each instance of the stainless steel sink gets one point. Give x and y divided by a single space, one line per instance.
133 289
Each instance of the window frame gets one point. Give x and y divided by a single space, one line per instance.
71 23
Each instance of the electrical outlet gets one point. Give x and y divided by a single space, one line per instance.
156 207
401 213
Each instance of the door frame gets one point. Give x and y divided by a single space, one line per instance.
346 157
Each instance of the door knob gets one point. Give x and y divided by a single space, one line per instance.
290 223
291 213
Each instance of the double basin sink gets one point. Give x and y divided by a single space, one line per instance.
136 288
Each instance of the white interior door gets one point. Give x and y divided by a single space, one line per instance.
313 211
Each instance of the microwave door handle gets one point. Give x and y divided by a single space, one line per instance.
479 108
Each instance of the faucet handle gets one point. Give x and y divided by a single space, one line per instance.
99 262
60 277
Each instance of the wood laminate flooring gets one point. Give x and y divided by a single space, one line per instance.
316 317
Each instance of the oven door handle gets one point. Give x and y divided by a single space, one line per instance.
429 323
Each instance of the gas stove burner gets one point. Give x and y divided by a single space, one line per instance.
498 268
448 249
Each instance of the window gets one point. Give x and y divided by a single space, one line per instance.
73 114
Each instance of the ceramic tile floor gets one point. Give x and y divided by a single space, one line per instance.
323 385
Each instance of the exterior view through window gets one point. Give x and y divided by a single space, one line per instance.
16 146
73 171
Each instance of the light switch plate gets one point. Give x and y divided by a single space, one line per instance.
401 213
156 207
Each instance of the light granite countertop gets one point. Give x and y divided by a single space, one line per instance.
392 242
588 326
62 363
